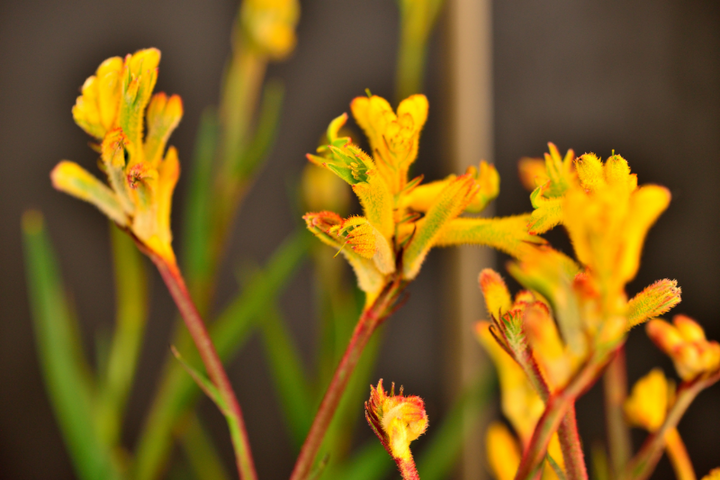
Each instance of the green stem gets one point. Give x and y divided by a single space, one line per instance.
176 285
644 462
615 389
370 319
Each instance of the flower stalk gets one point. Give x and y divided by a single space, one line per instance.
176 286
615 390
372 316
645 460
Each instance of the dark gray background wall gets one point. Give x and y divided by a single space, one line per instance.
642 78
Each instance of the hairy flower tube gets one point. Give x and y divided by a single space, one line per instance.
403 219
132 128
685 343
397 421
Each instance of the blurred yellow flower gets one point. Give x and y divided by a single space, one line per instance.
685 343
647 404
270 25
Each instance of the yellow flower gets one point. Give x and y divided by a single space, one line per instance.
402 220
685 343
395 419
647 404
116 108
607 217
714 474
270 25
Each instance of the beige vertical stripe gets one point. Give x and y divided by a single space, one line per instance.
472 139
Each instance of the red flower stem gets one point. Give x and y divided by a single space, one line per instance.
407 468
645 460
570 443
556 407
176 285
571 446
615 389
369 320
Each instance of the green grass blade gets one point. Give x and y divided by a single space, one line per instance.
196 252
266 132
131 316
200 452
177 391
441 454
288 375
370 463
61 358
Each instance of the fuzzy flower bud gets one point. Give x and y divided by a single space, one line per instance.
395 419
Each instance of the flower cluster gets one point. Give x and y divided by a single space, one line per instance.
403 219
132 127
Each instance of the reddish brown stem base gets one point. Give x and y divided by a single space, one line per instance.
368 322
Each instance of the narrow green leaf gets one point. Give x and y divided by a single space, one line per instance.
177 392
131 317
200 451
370 462
288 375
196 258
445 444
202 382
556 468
61 357
266 131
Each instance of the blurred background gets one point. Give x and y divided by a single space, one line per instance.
639 78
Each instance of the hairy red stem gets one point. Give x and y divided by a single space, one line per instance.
367 323
176 285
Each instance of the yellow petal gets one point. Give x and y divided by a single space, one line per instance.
507 234
417 107
532 172
449 204
647 404
590 171
72 179
163 116
646 205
